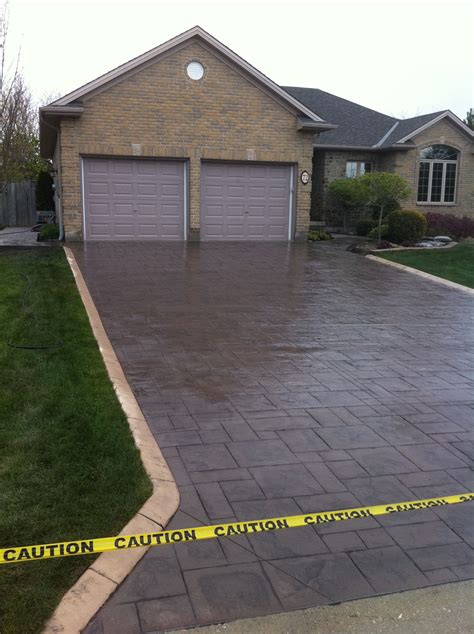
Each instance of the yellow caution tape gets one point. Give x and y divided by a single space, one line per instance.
160 538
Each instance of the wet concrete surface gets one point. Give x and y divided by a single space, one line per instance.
281 379
447 608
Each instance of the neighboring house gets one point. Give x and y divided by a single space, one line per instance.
187 141
190 142
434 152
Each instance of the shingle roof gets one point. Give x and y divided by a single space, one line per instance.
358 126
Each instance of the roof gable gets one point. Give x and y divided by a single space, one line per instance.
150 56
416 125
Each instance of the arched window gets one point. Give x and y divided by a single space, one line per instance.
437 179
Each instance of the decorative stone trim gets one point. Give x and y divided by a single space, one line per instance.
427 276
100 580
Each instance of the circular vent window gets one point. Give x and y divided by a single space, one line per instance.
195 70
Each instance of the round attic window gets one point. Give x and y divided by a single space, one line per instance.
195 70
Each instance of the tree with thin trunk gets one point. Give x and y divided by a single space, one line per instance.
385 191
19 143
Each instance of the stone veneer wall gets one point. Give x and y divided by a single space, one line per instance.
406 163
329 165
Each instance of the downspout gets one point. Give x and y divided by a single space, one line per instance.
58 190
58 196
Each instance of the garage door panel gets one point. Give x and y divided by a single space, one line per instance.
99 189
146 168
123 230
172 191
99 167
242 201
142 199
122 189
147 189
257 192
121 166
101 209
99 230
148 210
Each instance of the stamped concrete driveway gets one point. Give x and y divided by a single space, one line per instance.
281 379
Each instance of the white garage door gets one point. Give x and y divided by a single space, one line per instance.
133 199
242 201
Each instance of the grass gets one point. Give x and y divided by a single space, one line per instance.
68 465
455 264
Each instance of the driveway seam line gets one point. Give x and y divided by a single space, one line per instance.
94 587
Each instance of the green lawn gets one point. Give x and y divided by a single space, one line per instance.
455 264
68 465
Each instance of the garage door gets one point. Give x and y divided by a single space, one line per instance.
133 199
245 201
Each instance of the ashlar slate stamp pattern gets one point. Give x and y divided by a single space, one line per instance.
281 379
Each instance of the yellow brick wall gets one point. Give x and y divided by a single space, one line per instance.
224 116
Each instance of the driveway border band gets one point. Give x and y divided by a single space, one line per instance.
428 276
99 581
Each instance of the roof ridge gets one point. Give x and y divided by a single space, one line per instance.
428 114
387 134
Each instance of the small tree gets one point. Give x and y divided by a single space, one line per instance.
385 191
19 144
347 194
469 120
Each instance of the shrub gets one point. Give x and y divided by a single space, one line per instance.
384 244
44 192
374 233
406 225
364 225
314 236
347 198
453 226
48 231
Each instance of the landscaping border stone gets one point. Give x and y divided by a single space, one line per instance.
99 581
428 276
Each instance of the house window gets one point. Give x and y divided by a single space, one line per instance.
357 168
437 175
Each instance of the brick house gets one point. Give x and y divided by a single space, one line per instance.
434 152
185 142
190 142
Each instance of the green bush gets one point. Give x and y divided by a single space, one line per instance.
364 225
48 231
385 192
374 233
406 225
315 236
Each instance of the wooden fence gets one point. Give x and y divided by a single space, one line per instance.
18 205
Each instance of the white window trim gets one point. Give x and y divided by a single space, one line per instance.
443 182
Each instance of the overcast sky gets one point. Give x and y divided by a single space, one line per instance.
402 57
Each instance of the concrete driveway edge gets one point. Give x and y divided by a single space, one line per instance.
99 581
427 276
